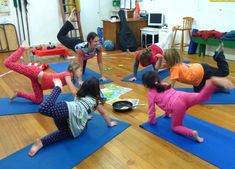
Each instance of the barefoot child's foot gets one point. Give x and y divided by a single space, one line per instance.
218 51
72 16
196 137
25 45
220 47
222 82
13 96
57 82
35 147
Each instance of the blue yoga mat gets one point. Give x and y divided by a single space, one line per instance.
163 74
218 147
23 106
68 153
217 97
62 66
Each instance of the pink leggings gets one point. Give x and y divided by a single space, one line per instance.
29 71
185 101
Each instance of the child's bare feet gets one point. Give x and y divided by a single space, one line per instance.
25 45
13 96
222 82
220 47
72 16
35 147
196 136
57 82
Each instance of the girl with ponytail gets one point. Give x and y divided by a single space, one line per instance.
176 103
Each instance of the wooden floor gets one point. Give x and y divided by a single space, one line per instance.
133 148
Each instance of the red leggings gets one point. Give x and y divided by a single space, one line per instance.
29 71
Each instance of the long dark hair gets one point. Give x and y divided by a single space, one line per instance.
145 56
151 80
91 36
91 87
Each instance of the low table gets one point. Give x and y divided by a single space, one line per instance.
48 52
210 41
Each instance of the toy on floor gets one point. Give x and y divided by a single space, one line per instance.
50 46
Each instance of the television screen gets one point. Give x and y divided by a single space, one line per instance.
155 19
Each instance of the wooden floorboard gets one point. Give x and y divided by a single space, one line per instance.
134 148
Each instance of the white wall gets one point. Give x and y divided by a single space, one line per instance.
208 15
44 21
92 14
45 18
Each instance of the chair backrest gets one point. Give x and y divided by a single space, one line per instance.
187 22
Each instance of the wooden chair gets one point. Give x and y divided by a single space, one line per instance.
187 26
8 38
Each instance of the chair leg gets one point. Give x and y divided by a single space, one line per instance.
182 42
173 41
189 34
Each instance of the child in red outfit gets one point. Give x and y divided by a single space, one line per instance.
40 80
150 55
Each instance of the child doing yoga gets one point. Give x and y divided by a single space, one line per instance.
175 103
85 50
71 117
150 55
195 74
40 80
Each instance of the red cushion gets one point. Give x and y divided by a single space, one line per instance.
55 51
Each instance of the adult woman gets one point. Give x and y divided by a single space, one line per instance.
85 50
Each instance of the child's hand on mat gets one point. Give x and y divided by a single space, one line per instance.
103 79
167 115
112 123
152 122
89 117
57 82
132 79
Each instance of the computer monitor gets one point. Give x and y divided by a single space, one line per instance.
155 19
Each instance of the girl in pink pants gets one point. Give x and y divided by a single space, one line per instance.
175 103
40 80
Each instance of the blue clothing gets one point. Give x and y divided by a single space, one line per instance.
59 112
69 117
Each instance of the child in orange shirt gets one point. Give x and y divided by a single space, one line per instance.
195 74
